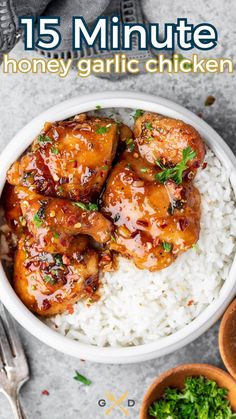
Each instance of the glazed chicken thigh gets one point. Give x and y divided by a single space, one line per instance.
49 283
162 139
53 221
154 222
69 159
12 209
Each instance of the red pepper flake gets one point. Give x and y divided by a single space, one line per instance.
45 393
204 165
142 223
70 309
183 223
46 304
196 164
190 303
164 224
200 115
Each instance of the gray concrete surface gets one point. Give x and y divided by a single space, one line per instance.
24 96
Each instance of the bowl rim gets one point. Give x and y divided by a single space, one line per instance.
201 369
230 311
164 345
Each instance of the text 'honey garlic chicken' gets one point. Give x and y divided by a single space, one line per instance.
153 221
49 284
69 159
162 140
53 221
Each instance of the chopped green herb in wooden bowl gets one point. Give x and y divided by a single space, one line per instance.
194 391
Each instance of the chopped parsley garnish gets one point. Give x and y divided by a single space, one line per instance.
40 214
137 114
87 207
102 130
56 235
49 280
105 167
92 207
148 125
37 220
175 173
44 139
81 205
200 399
116 217
130 144
167 246
54 150
150 139
58 260
82 379
144 169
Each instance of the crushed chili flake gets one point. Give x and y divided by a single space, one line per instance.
183 223
46 304
190 303
196 164
204 165
164 224
70 309
45 392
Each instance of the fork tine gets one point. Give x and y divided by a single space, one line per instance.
20 361
12 333
7 356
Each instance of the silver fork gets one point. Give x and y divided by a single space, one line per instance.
14 370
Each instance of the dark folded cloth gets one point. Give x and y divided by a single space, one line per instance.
10 10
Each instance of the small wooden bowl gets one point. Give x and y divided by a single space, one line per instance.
176 377
227 339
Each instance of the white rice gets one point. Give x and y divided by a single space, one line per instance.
138 306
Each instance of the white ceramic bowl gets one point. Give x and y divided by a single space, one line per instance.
164 345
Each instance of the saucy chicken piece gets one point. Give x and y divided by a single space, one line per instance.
49 284
162 140
12 209
125 132
154 222
69 159
54 221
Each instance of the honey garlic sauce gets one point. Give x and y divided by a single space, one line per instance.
69 159
146 215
